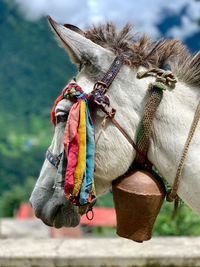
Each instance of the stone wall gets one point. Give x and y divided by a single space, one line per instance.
96 252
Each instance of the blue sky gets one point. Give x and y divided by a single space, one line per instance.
144 14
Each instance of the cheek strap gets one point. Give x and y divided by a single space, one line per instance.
53 159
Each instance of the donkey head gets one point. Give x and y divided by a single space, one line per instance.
113 153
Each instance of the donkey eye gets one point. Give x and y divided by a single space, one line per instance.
61 118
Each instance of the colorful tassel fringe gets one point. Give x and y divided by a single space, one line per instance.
79 147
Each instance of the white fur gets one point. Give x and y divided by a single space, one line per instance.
170 130
128 95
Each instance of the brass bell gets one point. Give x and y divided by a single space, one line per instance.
138 198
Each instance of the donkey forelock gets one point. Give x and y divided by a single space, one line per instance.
145 52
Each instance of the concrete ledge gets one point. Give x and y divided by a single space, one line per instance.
34 228
96 252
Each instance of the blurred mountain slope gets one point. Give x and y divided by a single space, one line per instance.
33 68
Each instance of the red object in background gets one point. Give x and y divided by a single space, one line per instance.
103 216
25 211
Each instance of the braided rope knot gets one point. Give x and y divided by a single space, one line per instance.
163 76
73 91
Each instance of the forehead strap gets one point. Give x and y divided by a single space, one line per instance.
102 85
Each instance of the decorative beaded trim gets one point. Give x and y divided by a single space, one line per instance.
102 86
54 160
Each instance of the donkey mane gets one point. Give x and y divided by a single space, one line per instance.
145 52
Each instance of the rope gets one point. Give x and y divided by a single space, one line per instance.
146 123
163 79
167 78
163 76
172 193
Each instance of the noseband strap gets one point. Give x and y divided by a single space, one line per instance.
53 159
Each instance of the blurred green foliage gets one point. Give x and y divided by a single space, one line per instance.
33 71
11 199
186 222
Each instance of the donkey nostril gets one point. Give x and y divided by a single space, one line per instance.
57 221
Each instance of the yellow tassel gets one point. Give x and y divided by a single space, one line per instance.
81 161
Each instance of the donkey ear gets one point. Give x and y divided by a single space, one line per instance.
81 50
74 28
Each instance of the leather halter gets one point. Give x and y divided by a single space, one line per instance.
100 89
53 159
110 75
97 95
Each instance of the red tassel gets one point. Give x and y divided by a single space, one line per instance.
58 99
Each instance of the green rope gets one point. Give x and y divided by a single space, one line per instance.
145 127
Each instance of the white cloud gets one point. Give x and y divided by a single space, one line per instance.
188 27
145 14
63 11
188 22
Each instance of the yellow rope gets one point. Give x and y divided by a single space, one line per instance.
81 161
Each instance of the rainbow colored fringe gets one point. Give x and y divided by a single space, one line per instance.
79 147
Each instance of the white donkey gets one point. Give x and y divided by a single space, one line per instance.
96 50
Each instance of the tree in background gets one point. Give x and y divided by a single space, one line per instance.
33 71
11 199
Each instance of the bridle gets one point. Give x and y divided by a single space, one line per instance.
53 159
98 97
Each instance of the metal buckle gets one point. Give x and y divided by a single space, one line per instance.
100 86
